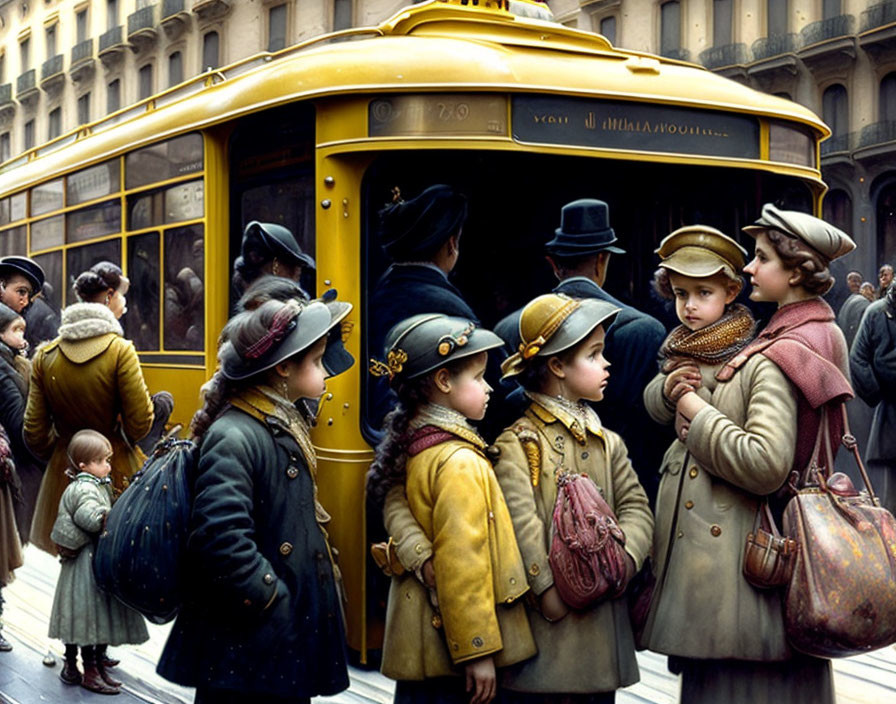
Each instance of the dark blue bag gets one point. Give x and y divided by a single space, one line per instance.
140 553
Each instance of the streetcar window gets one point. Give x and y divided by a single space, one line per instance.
47 233
790 145
184 288
4 211
14 241
94 182
94 221
51 263
17 206
163 161
46 197
184 201
80 259
141 324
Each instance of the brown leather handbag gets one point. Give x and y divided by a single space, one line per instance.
841 599
588 548
768 556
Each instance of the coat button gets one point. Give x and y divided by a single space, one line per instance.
693 472
478 642
268 578
534 569
513 580
680 534
286 548
584 455
689 505
418 548
716 531
292 472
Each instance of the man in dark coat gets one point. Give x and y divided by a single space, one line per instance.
41 321
579 255
872 364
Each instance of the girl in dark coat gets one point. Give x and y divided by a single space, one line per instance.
262 615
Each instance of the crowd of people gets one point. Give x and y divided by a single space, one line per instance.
685 438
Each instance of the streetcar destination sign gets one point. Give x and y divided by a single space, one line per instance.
642 127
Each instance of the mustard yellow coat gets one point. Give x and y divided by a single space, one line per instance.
88 377
454 497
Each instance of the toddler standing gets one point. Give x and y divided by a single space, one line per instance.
82 615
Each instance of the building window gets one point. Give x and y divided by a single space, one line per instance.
29 135
887 102
5 147
721 22
2 67
670 27
210 55
113 96
607 27
831 8
837 209
835 109
54 123
111 14
342 14
51 41
81 26
277 28
175 69
144 82
84 109
25 54
776 22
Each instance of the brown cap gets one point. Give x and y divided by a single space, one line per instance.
823 237
699 251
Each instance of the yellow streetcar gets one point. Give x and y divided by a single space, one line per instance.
520 113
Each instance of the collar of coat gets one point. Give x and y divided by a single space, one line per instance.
436 416
578 418
87 330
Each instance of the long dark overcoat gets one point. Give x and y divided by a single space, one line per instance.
263 615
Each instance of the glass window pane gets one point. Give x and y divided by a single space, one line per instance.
4 211
835 109
176 157
888 97
51 263
776 22
175 69
277 28
830 8
184 289
141 323
46 197
670 27
94 221
342 14
80 259
14 241
95 182
48 233
608 29
176 204
113 96
210 51
17 205
721 22
144 82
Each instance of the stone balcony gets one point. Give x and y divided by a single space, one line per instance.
211 9
677 54
774 55
175 18
83 63
26 87
877 142
112 46
7 104
877 35
728 59
52 74
142 28
828 42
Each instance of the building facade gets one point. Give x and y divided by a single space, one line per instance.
65 63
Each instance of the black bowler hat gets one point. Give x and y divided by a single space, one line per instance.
416 228
584 229
28 268
278 240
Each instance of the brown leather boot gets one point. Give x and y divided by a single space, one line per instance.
93 678
70 674
103 655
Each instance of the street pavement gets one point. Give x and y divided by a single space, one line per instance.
24 679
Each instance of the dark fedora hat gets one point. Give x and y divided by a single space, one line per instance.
28 268
584 229
418 227
279 241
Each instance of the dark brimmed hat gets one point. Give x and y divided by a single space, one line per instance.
555 322
278 240
337 358
700 251
418 227
28 268
425 342
294 329
821 236
584 229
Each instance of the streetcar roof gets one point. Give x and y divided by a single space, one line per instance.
454 48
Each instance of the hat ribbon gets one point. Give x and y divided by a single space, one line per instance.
449 343
393 365
284 321
528 350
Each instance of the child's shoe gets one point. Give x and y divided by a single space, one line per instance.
5 645
70 673
93 679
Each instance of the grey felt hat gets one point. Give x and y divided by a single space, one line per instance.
425 342
821 236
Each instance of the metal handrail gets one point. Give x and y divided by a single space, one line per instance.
144 18
831 28
171 8
82 50
778 44
111 38
677 54
724 55
25 81
51 67
878 133
837 143
6 93
879 15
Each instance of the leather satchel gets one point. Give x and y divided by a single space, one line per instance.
768 556
841 599
588 547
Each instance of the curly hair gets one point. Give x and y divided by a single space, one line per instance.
815 276
97 280
662 284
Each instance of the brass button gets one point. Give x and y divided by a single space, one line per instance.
478 642
292 472
418 548
716 531
436 621
513 580
534 569
455 646
689 505
680 534
693 472
286 548
268 578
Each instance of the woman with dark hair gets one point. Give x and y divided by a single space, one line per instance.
261 619
89 377
269 248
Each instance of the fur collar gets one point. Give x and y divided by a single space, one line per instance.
81 321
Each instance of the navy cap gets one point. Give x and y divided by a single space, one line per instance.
418 227
28 268
584 229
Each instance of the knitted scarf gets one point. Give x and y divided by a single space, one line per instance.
716 342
